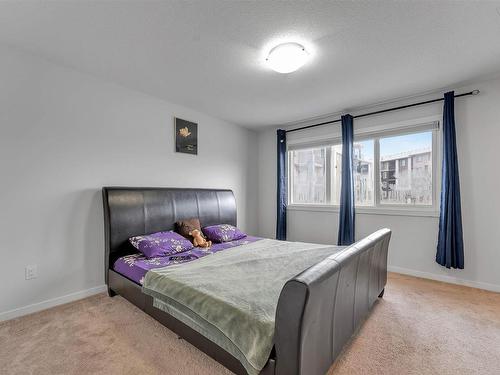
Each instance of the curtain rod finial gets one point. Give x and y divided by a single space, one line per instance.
475 92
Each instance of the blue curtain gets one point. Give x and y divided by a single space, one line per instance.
281 196
346 216
450 248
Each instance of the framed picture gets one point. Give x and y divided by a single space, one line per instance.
186 136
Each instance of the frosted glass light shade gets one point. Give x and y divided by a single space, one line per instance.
287 57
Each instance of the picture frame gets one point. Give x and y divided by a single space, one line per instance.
186 136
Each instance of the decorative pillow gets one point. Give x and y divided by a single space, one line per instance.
184 227
223 233
160 244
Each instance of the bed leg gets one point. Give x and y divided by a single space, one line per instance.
381 293
111 292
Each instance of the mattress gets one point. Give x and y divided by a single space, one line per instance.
135 266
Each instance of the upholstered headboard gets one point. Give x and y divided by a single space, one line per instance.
130 211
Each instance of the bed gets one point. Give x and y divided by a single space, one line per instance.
315 309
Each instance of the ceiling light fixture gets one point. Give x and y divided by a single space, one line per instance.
287 57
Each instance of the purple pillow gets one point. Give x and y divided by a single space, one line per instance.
160 244
223 233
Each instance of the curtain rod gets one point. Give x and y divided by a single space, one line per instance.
473 92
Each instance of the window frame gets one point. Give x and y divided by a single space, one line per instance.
376 133
308 144
328 173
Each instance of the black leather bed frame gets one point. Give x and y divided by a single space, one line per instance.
318 310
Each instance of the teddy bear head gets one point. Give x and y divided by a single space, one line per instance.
194 233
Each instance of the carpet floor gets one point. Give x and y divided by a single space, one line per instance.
419 327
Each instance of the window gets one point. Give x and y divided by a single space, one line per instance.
316 174
308 171
390 169
406 169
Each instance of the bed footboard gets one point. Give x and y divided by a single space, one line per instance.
320 309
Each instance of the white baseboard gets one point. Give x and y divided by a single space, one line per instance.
25 310
444 278
20 311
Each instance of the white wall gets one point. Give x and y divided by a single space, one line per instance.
413 245
64 135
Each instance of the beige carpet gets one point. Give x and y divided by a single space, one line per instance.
419 327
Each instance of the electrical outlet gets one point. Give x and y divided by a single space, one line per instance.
31 271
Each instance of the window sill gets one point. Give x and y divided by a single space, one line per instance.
391 211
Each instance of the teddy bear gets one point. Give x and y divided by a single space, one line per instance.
198 239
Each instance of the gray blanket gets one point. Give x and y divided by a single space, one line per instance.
231 297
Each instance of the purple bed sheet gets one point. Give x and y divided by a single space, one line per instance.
135 266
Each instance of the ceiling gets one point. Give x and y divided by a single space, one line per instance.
209 55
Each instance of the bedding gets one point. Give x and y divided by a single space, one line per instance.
232 296
135 266
160 244
223 233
